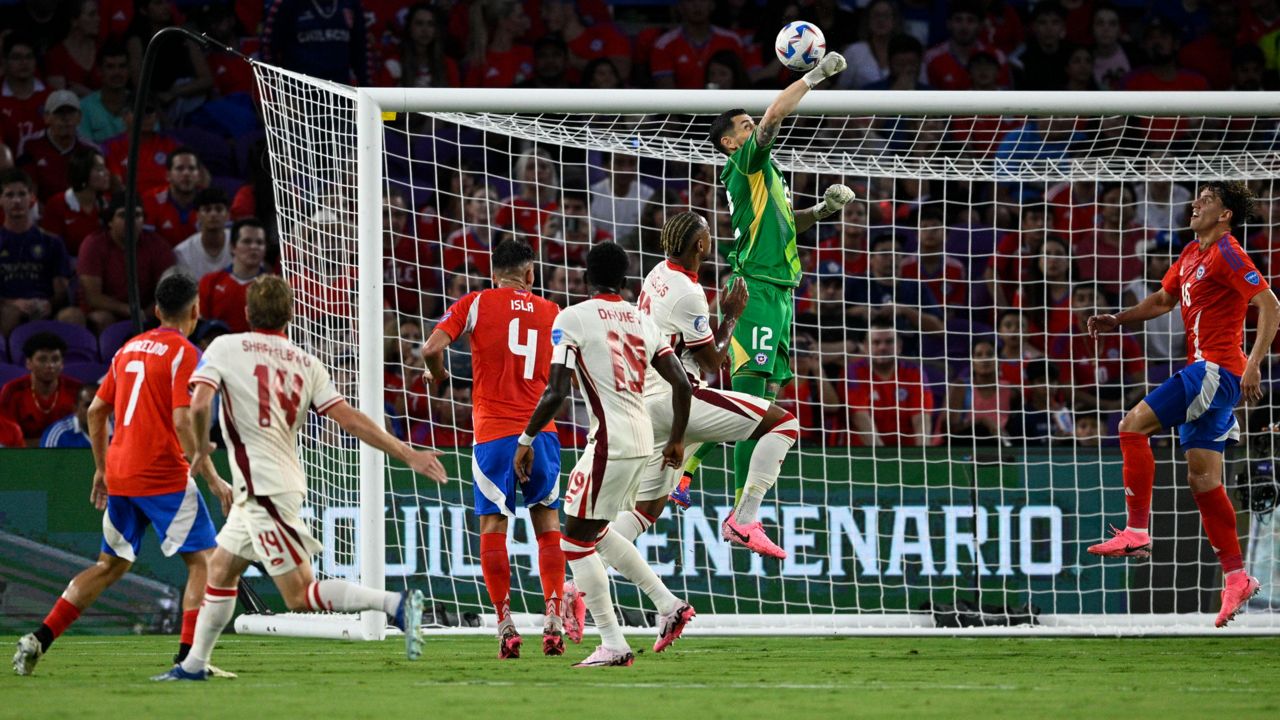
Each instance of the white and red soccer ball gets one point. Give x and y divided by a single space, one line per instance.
800 45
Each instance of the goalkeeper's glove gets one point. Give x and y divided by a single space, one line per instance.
829 65
833 201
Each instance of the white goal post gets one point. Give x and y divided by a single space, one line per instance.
970 520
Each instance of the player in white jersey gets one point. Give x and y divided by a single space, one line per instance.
267 384
609 345
676 302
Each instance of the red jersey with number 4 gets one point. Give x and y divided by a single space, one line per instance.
1214 286
147 381
510 355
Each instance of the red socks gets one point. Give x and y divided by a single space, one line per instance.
1219 518
551 570
189 626
497 571
61 617
1139 476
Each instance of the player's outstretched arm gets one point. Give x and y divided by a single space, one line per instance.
681 395
789 99
201 416
833 201
423 462
711 357
1154 305
548 405
433 355
99 412
1268 316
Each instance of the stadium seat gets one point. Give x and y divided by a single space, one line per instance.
113 336
85 372
82 346
10 372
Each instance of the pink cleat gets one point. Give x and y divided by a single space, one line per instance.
671 624
1124 543
509 645
575 612
605 657
750 536
1240 587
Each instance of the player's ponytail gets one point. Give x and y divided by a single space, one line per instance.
678 231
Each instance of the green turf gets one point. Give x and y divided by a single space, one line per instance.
698 679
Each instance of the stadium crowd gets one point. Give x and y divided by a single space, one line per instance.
930 312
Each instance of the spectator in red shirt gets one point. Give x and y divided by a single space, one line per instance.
35 271
572 231
982 399
448 423
44 395
810 393
44 155
11 434
537 188
1045 296
1210 54
550 63
1015 255
102 111
848 245
1106 373
154 150
931 266
104 293
76 214
72 64
1164 74
469 245
421 59
497 58
224 294
586 43
887 400
946 65
410 283
680 55
170 210
22 94
1108 254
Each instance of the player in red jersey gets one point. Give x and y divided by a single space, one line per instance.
144 477
510 336
1215 283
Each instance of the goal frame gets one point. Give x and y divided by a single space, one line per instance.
374 104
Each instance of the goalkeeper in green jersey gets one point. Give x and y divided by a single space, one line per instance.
764 252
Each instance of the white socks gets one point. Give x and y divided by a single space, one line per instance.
766 463
623 556
630 524
342 596
215 612
593 582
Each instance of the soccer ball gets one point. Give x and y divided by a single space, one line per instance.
800 45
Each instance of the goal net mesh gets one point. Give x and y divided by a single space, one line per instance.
958 449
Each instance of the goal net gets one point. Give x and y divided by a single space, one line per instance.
958 447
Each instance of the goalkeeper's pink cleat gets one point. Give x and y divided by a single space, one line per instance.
575 612
1240 587
1124 543
750 536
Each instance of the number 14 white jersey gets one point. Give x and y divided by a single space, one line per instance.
610 345
267 384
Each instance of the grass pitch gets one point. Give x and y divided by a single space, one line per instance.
697 679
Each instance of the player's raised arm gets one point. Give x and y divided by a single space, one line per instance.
789 99
548 405
1268 315
351 420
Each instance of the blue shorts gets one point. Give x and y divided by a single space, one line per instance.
495 477
181 520
1200 401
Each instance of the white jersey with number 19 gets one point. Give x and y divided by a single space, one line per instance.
267 383
610 345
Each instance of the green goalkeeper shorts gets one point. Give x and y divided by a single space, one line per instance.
762 339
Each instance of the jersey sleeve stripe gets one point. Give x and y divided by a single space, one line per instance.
329 405
699 343
1228 252
203 381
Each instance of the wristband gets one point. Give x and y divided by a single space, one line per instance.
822 210
525 439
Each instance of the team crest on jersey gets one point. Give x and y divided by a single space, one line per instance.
1252 278
700 322
1199 272
761 358
556 336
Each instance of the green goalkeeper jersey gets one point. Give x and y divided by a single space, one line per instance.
764 226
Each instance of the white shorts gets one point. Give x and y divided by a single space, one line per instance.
715 416
269 529
600 488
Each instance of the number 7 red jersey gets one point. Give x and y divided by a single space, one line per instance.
510 355
146 383
1214 287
